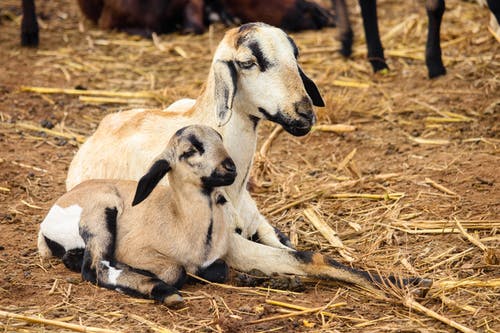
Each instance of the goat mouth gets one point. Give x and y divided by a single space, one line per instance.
296 127
219 179
298 130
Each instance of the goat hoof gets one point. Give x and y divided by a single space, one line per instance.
29 39
435 71
217 272
172 300
166 294
378 65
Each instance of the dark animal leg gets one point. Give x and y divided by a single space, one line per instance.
435 10
345 33
373 43
29 25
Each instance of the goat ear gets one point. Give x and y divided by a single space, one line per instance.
149 181
311 89
225 89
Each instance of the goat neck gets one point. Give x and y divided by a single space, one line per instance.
239 132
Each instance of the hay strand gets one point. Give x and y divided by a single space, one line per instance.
414 305
328 233
55 323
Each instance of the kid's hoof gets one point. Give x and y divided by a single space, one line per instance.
165 294
172 300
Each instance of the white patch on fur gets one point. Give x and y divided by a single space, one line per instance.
61 226
113 273
181 105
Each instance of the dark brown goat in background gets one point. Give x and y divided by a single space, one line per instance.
291 15
143 17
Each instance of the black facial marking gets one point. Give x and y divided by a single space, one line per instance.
197 144
220 200
238 231
255 121
208 240
264 64
187 154
56 248
233 72
294 46
73 259
255 237
109 253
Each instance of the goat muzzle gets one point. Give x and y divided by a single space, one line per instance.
223 175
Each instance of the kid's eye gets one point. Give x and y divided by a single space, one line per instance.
188 154
246 64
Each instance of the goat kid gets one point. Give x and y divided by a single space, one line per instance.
145 250
435 10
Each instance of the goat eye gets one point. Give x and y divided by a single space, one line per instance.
246 64
188 154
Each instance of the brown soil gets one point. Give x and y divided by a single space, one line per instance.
403 236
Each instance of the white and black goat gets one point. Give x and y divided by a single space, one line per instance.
254 75
435 10
145 250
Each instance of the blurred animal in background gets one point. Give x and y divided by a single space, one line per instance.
143 17
435 10
291 15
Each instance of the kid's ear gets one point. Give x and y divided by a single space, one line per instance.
149 181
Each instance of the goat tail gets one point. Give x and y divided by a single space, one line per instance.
246 255
43 247
92 9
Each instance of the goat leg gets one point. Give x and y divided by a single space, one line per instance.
29 24
435 10
246 255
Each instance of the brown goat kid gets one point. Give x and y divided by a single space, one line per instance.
145 248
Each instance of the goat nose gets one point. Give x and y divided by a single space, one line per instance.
229 165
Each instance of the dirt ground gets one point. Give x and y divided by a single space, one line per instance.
424 155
